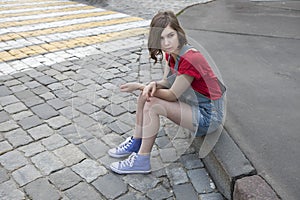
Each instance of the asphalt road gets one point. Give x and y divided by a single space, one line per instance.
256 47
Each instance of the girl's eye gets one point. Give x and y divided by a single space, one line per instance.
171 35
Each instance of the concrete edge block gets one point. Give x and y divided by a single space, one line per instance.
253 187
225 162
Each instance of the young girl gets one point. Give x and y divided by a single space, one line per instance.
200 111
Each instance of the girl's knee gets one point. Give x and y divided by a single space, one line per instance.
153 105
141 99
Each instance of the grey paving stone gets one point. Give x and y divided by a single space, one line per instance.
30 122
54 141
168 155
84 121
185 191
176 174
191 161
58 122
57 103
18 137
201 181
12 83
21 115
163 142
94 148
60 67
5 147
48 96
4 91
64 179
128 118
56 86
32 84
211 196
18 88
3 175
32 101
15 108
64 93
41 131
9 190
26 174
102 117
89 169
3 116
47 162
113 139
114 110
45 79
104 93
44 111
5 78
88 109
75 134
119 127
51 72
6 100
24 94
141 182
41 189
32 149
8 126
70 154
13 160
111 186
82 191
100 102
69 112
40 90
33 73
25 78
132 196
159 193
86 82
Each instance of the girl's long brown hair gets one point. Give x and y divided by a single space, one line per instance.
159 22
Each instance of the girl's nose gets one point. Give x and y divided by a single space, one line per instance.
166 42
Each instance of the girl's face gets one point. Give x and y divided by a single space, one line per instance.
169 40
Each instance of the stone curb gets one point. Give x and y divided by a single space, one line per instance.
232 172
253 187
226 164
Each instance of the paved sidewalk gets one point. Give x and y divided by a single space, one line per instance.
61 109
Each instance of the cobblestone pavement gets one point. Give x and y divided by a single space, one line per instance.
61 110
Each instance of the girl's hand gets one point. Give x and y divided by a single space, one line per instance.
149 90
130 87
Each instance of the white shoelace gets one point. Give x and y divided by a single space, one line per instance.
129 161
124 145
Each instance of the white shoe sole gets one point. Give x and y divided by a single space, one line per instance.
118 155
129 172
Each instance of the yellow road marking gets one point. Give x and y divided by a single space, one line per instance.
46 11
26 34
53 19
17 7
27 1
67 44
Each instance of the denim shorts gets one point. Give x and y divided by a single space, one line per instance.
208 115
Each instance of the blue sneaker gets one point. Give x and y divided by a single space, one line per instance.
134 164
126 148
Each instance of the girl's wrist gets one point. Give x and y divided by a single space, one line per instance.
141 87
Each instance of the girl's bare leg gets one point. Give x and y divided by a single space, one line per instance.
139 117
180 113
